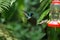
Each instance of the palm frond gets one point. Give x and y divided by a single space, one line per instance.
5 8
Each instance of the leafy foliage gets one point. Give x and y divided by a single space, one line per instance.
15 22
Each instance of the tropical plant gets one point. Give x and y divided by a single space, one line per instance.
15 24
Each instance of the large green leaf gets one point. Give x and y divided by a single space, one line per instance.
42 16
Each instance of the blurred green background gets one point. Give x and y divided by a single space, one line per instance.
19 20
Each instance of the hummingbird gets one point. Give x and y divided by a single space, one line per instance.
30 18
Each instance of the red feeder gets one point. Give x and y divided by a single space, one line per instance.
55 1
54 24
54 14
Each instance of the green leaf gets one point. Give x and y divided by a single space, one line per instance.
42 16
43 5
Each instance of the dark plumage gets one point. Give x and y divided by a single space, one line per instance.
30 18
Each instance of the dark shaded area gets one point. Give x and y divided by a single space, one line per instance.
2 38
